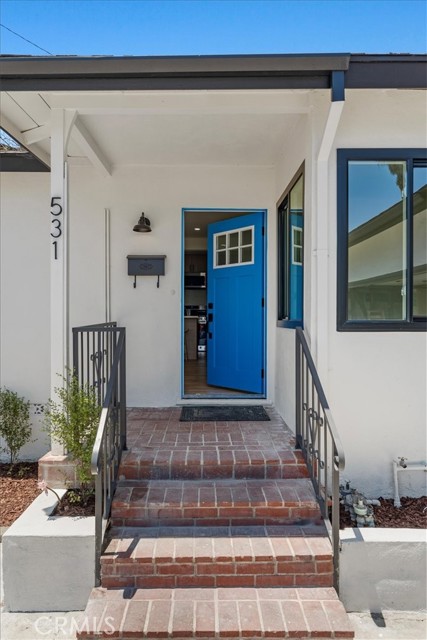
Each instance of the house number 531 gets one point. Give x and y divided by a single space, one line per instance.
56 223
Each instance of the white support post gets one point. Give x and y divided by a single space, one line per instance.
61 123
322 249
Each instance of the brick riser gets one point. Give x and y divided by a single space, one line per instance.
220 613
218 574
235 559
210 465
214 503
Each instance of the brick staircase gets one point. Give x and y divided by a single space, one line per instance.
216 533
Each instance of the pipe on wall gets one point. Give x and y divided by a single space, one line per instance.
401 464
107 264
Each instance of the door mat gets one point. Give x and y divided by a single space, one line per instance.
223 414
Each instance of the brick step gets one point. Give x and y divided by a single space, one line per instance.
151 503
209 462
215 613
242 557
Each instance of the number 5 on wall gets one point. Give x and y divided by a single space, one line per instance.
56 211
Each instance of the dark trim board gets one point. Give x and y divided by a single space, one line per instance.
22 162
305 71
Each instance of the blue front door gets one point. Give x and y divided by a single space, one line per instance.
235 297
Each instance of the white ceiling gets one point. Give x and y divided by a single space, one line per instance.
211 128
190 139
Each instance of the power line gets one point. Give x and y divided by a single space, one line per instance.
26 39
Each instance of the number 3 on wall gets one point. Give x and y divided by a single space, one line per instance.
56 211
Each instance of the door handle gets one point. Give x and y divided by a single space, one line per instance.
210 317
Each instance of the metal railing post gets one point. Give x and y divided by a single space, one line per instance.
101 350
123 422
298 432
312 414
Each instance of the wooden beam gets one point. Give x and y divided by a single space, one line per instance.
236 102
12 130
36 135
90 148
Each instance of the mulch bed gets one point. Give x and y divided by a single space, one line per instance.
75 504
412 514
18 488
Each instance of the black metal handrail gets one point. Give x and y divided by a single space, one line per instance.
99 354
317 437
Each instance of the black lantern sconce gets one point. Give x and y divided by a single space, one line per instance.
143 225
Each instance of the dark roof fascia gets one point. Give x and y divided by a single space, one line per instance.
311 71
288 71
391 71
22 162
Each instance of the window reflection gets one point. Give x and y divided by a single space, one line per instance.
377 240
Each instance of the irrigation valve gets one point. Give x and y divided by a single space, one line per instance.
360 509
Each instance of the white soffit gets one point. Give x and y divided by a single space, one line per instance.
212 128
191 139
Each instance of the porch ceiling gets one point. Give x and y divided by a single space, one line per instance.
163 128
191 139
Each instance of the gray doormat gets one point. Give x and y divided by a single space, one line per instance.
223 414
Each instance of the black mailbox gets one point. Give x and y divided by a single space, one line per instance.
146 266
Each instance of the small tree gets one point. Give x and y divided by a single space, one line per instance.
15 426
73 422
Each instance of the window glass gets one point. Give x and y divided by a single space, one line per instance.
420 245
291 252
297 195
247 254
220 258
377 212
221 241
234 247
233 256
247 236
233 240
296 245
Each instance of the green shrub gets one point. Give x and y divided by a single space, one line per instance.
15 426
73 422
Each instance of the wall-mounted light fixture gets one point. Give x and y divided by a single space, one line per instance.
143 225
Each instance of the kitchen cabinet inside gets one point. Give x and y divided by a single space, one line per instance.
195 261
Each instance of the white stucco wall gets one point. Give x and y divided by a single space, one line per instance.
152 316
296 150
376 382
24 285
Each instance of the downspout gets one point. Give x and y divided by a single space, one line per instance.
107 265
321 250
66 272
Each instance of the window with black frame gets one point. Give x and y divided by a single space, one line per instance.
291 254
382 252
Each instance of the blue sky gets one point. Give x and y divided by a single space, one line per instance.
175 27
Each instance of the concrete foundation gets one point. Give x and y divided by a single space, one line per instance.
48 561
383 569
